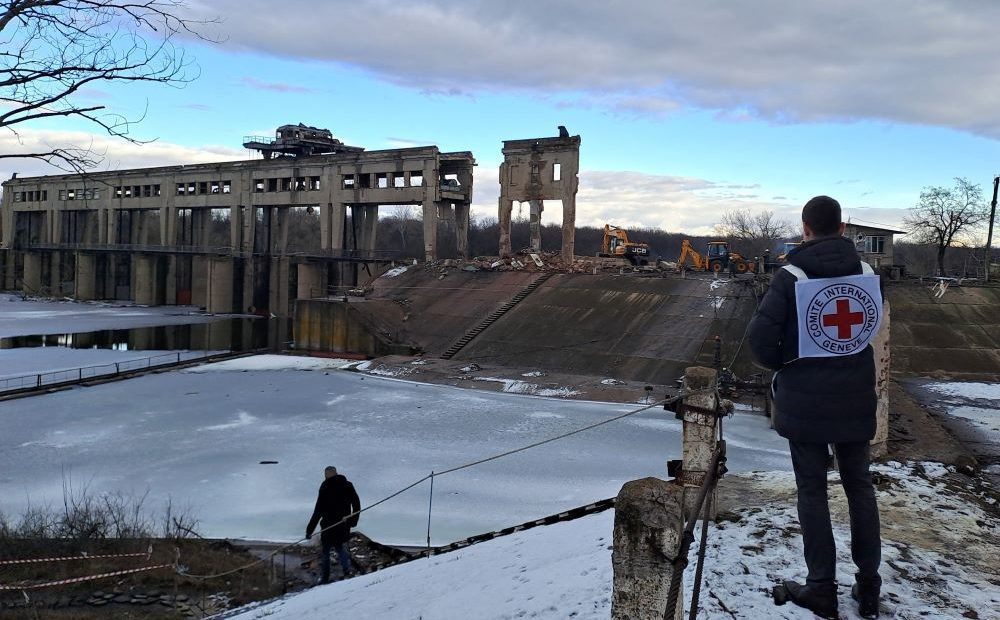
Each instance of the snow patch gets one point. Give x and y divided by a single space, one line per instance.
612 382
395 271
270 362
970 390
242 419
534 373
516 386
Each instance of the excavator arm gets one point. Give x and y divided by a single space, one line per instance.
687 250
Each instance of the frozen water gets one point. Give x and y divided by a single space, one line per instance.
39 317
198 437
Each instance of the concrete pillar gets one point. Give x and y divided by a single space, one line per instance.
278 302
105 226
91 226
199 281
311 281
371 227
649 522
462 229
331 223
86 277
249 229
168 226
31 282
170 292
879 444
279 230
506 207
144 280
430 231
535 224
220 285
201 222
569 228
236 227
700 436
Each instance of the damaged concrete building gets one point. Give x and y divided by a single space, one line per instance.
144 234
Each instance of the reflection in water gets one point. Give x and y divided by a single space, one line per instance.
243 334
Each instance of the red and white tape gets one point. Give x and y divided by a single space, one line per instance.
61 582
74 557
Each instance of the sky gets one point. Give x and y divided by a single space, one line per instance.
685 109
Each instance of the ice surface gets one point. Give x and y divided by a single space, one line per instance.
31 360
198 437
38 317
564 570
970 390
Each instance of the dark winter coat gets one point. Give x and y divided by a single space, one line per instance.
337 499
823 399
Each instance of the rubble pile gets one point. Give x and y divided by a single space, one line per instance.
535 262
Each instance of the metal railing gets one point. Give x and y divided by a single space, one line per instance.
341 254
56 378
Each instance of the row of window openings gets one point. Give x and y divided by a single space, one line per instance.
286 184
31 196
382 180
204 187
89 193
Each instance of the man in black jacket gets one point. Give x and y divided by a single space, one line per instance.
824 393
337 499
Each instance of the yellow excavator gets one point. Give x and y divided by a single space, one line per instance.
616 244
717 259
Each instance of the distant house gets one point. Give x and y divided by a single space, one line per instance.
873 243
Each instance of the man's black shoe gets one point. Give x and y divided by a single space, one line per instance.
866 593
819 599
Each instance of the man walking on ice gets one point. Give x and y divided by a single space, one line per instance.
813 328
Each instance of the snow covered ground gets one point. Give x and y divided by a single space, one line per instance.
199 436
38 316
564 570
976 403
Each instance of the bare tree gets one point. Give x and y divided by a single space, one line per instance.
944 215
753 231
54 49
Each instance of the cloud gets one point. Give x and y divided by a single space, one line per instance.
277 87
634 200
777 60
118 154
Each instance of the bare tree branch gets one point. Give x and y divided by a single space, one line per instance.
753 232
54 48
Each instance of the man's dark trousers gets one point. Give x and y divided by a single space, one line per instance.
324 559
809 460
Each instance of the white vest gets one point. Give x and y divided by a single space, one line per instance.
837 316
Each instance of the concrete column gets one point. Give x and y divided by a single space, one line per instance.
236 227
879 444
168 226
104 226
278 302
279 230
199 281
430 231
91 227
31 282
170 292
569 228
86 277
201 222
700 436
220 285
649 522
311 281
144 280
506 207
535 224
249 222
331 218
371 227
462 229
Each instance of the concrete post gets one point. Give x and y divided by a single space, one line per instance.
569 228
535 224
649 522
700 435
311 281
144 280
31 282
462 229
199 281
278 302
430 231
879 444
86 277
220 285
371 227
506 207
236 228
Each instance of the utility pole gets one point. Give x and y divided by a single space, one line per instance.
989 235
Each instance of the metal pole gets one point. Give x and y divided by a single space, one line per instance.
430 505
989 235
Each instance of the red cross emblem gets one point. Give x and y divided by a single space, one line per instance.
843 319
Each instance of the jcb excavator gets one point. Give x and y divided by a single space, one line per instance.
717 259
616 244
